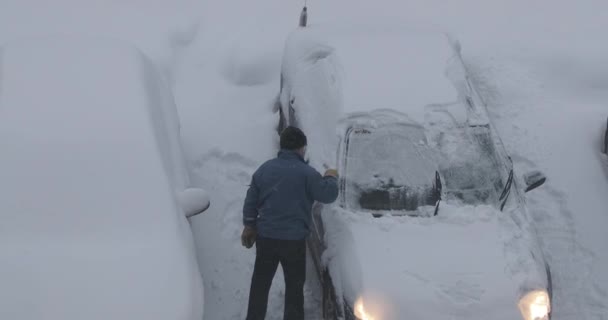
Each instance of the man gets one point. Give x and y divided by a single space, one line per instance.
277 217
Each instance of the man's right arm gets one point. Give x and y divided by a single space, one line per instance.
250 208
323 188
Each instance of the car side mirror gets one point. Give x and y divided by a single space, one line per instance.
194 201
534 179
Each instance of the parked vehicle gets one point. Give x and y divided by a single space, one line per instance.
431 222
95 193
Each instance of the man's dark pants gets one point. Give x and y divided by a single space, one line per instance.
292 256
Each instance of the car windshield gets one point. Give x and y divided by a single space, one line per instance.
470 167
388 168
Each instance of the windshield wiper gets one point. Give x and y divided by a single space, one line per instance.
506 191
438 186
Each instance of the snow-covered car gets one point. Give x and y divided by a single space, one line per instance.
94 191
431 221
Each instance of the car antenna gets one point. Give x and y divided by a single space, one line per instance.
304 15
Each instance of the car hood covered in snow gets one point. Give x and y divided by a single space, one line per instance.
453 266
91 228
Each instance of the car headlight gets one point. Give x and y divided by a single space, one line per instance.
535 305
360 311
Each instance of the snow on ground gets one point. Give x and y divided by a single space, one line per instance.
557 128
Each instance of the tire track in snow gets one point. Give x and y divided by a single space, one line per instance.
508 91
225 265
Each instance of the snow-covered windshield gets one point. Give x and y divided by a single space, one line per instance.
470 167
388 168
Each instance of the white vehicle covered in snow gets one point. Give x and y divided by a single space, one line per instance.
94 191
431 221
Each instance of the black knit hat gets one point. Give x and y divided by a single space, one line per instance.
292 138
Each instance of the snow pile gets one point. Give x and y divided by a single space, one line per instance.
312 90
397 67
226 97
91 227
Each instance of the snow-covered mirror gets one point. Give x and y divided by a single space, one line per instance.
534 179
194 201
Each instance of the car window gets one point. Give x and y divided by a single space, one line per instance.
470 167
389 168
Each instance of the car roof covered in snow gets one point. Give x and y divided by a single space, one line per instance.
415 77
79 117
88 210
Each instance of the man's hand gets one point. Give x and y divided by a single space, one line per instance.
248 237
331 173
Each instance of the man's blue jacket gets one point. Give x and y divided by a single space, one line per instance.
281 195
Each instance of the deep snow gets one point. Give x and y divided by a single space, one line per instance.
541 67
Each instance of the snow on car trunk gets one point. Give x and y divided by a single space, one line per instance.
90 224
414 78
311 93
448 267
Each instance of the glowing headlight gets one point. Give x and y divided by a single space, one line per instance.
360 311
535 305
